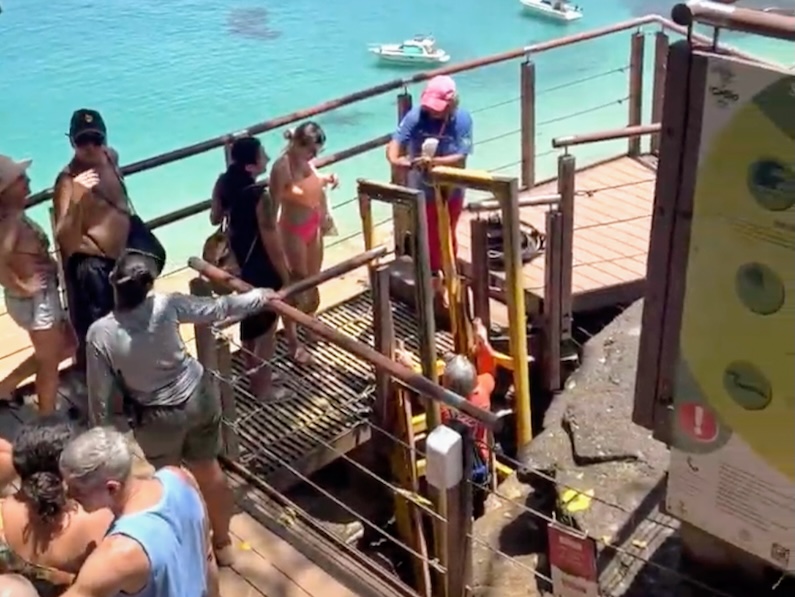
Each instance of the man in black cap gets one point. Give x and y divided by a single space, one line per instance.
92 216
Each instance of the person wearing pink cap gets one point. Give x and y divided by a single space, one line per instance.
438 132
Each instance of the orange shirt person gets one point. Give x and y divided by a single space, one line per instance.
473 380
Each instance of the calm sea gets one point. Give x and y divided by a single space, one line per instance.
170 73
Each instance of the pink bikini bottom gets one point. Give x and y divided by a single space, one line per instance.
307 230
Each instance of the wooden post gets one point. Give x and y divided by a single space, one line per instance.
635 90
552 300
401 217
527 80
384 339
231 443
423 285
459 532
567 171
480 270
658 89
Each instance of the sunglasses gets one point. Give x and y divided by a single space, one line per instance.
84 140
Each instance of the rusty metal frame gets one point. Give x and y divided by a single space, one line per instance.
506 192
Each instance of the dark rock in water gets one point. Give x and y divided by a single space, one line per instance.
251 23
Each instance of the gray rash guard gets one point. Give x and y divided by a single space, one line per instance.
142 350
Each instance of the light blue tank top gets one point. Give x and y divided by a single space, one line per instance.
172 535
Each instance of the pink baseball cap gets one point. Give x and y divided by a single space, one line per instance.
438 94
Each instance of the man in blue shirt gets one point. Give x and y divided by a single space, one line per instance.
436 133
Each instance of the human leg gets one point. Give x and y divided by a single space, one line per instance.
297 260
201 449
258 335
90 295
43 317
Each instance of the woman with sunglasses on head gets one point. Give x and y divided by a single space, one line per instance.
300 191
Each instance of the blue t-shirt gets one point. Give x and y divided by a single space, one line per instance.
454 135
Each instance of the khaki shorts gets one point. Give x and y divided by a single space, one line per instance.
42 311
189 432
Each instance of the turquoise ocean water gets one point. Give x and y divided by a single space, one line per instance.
170 73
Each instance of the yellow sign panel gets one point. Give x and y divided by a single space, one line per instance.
733 461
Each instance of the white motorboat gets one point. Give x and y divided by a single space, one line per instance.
559 10
418 50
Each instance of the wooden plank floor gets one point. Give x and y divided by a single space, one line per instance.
266 565
612 222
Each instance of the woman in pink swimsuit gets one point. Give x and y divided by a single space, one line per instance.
300 191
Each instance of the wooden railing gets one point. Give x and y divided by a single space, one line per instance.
528 125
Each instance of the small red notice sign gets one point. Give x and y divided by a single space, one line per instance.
572 558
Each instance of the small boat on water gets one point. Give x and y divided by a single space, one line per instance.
421 49
559 10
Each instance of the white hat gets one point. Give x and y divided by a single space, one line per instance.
10 171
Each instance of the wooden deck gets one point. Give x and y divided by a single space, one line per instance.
612 221
266 565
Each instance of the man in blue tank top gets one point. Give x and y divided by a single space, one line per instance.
159 544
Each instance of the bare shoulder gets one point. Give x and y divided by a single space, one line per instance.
118 564
185 475
113 155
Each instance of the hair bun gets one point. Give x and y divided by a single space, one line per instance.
288 134
45 493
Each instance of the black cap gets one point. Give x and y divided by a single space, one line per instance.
134 266
87 121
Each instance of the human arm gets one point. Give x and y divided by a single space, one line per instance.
462 145
190 308
9 234
118 565
267 219
66 198
7 472
100 380
213 580
216 206
401 137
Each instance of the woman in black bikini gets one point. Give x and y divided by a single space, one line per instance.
256 243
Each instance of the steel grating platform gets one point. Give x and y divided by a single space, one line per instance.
327 411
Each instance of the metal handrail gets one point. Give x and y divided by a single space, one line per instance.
747 20
275 123
268 125
607 135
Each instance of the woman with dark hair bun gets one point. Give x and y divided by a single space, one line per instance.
300 191
45 536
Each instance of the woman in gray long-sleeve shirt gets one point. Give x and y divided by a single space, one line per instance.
137 350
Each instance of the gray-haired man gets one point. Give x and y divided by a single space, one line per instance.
159 545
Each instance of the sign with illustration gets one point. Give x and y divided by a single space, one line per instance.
733 460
